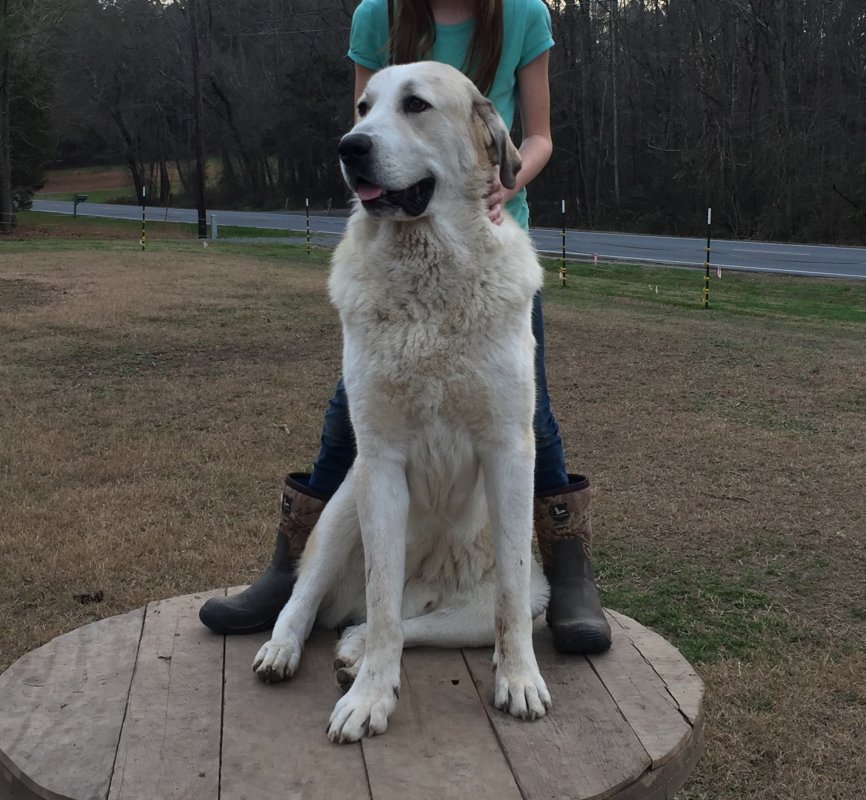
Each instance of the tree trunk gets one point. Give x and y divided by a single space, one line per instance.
198 119
615 102
585 133
248 168
164 181
5 148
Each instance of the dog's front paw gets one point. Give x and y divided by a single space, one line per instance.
362 711
277 660
522 693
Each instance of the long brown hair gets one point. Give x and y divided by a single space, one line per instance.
412 33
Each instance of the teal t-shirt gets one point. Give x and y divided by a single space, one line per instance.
527 34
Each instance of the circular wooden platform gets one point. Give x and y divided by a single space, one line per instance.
152 705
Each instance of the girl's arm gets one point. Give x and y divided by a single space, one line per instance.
533 88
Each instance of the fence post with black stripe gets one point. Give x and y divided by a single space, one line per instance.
562 281
707 262
143 214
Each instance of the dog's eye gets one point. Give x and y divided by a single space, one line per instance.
362 108
415 105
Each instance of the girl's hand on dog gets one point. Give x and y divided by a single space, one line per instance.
497 197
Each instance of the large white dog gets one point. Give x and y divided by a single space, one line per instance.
428 540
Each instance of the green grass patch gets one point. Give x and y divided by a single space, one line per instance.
78 227
768 296
231 231
82 225
317 257
707 614
736 293
291 255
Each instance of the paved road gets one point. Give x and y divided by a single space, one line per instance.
792 259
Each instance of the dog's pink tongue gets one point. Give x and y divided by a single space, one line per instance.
369 191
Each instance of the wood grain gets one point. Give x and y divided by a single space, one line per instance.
684 684
62 708
644 700
274 742
170 744
663 783
439 743
193 721
583 749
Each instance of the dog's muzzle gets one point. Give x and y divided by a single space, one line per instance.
356 155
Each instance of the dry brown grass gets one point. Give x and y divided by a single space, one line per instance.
151 402
86 179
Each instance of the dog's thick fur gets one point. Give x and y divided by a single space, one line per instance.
438 363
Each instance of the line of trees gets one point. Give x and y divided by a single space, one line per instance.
660 108
754 107
25 92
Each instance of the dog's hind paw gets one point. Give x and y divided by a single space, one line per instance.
277 660
523 695
349 654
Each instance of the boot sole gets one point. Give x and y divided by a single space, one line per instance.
210 618
581 642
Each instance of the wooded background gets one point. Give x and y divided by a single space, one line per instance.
660 108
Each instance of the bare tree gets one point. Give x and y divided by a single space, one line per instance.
5 120
198 116
27 36
659 107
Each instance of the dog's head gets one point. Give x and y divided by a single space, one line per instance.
425 135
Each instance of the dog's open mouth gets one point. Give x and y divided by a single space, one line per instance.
413 199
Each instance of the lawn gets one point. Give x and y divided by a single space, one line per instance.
152 401
62 230
105 183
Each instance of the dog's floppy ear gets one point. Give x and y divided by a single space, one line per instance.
500 148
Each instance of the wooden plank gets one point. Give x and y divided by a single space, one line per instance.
663 783
439 743
583 749
170 744
643 699
609 712
62 708
274 741
684 684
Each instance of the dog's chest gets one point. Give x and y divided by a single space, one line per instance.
424 371
433 331
448 535
424 361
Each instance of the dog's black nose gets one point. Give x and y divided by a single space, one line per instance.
354 147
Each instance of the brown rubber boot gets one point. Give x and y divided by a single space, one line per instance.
563 525
256 608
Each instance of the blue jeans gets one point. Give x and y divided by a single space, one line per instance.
337 450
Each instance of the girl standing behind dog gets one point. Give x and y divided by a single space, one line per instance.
503 46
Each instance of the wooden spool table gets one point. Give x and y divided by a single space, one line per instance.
151 705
